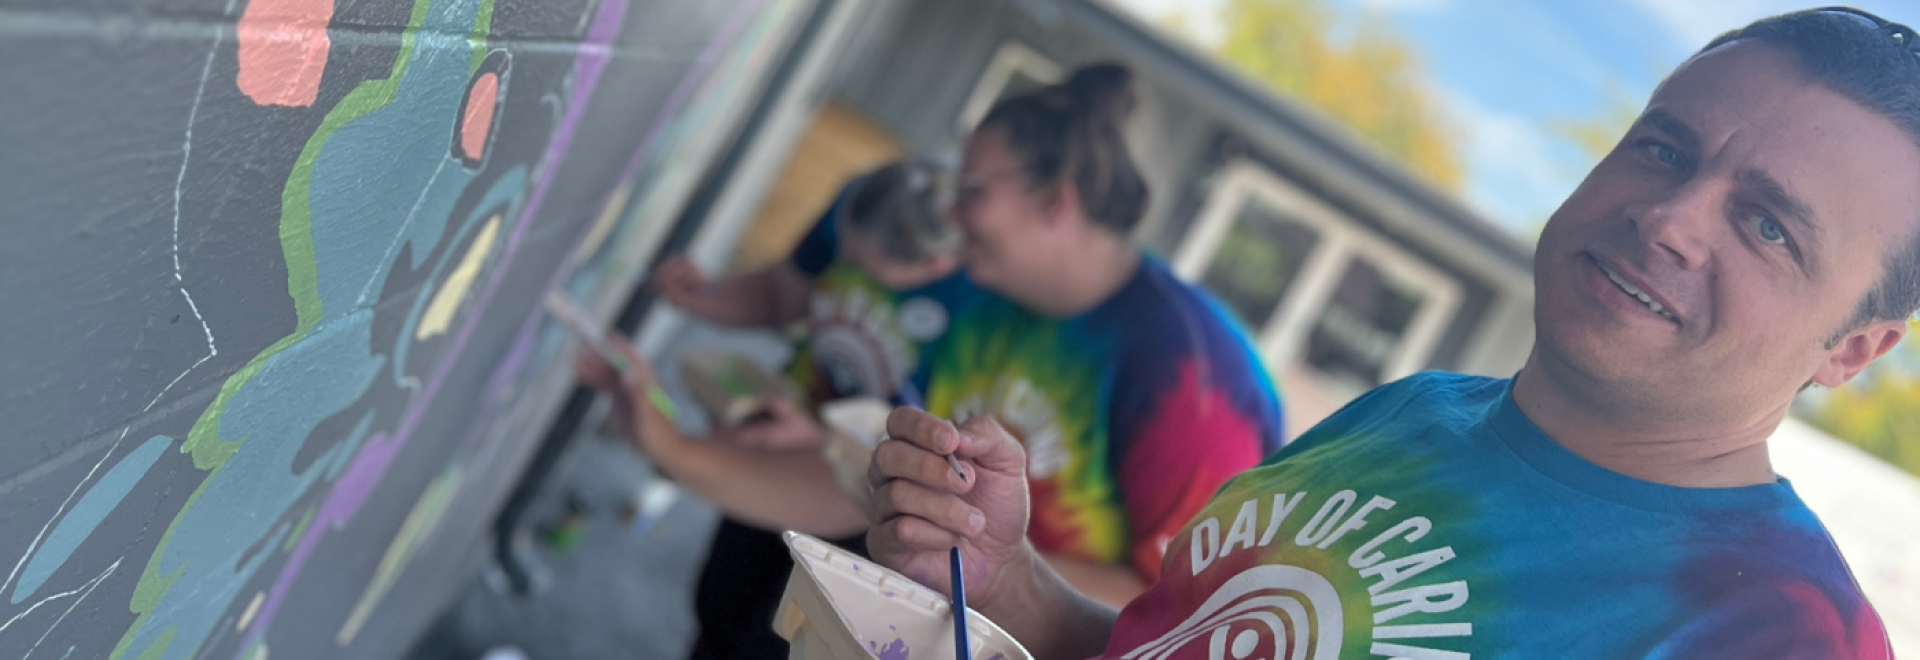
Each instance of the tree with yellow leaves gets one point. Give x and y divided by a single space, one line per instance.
1880 410
1368 82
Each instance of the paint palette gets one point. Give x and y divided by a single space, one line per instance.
839 606
855 427
732 389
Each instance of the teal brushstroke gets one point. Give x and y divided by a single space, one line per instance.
85 516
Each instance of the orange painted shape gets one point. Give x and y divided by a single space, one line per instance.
479 117
283 50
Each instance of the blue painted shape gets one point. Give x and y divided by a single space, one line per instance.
388 175
93 507
245 500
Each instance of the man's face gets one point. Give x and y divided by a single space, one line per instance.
1753 207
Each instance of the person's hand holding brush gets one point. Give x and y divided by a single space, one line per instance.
922 508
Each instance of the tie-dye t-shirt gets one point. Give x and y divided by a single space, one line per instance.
864 339
1133 413
1432 519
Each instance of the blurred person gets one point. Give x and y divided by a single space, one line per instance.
1135 392
1755 232
875 280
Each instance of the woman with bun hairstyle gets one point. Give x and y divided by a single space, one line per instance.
1136 395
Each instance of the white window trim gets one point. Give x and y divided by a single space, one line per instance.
1011 57
1283 335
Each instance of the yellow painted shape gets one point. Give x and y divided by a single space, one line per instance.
603 225
414 531
447 300
253 608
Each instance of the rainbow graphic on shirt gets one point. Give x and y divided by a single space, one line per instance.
1431 519
864 339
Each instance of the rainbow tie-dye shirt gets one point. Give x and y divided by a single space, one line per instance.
1431 519
1133 413
864 339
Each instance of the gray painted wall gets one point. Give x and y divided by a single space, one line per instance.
270 354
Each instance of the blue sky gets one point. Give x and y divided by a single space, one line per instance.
1507 70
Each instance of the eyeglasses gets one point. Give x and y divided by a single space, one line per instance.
973 186
1902 35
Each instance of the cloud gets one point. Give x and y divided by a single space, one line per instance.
1517 171
1407 6
1202 16
1693 24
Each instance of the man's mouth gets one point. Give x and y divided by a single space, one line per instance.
1635 292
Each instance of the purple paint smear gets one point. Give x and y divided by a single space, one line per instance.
371 464
895 651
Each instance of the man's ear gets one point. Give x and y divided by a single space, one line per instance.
1858 349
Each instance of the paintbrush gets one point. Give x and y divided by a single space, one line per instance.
961 651
595 339
910 396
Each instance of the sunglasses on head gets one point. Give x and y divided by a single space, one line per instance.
1902 35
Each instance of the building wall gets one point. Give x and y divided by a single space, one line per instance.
271 355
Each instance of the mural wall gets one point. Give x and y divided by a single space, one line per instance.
268 297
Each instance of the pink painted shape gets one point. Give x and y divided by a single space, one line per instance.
283 50
478 120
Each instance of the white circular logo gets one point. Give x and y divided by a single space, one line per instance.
922 319
1249 617
854 364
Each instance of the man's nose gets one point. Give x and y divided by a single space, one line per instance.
1679 226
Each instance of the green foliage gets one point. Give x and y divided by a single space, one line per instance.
1369 81
1880 410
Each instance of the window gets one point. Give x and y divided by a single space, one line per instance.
1315 287
1014 69
1363 321
1260 256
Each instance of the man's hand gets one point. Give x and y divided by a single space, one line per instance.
680 282
783 427
921 508
648 428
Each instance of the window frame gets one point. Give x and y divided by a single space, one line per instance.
1282 336
1010 58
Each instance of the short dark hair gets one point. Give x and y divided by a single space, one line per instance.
902 206
1870 65
1072 132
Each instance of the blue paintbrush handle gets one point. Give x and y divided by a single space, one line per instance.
960 649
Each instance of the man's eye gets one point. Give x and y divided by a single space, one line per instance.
1770 229
1662 153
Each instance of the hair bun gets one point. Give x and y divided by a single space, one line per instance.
1103 90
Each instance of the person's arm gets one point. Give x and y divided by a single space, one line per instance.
1111 585
767 298
921 509
769 489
